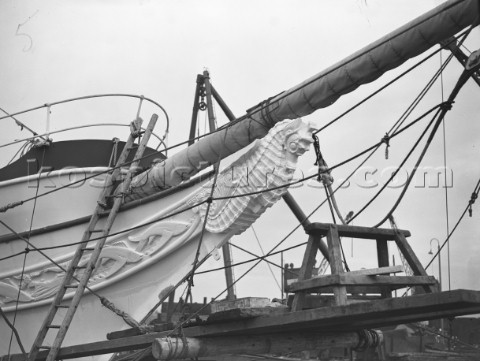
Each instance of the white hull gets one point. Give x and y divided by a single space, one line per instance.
152 243
131 277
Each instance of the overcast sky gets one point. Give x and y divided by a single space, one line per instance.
52 50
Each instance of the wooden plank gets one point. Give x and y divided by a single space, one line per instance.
377 271
246 313
306 270
386 234
371 314
366 272
360 280
336 266
356 290
424 356
134 331
317 301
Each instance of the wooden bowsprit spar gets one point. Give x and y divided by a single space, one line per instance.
315 93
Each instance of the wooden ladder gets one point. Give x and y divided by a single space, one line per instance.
70 281
366 279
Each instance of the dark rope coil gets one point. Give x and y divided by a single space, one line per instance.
126 317
367 339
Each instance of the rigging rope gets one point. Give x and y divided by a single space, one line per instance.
371 149
261 258
446 106
414 169
398 168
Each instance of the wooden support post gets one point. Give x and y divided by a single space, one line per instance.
383 261
227 261
333 241
306 270
171 306
226 249
208 91
412 259
222 104
193 124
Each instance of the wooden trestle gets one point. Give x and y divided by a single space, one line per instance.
341 318
369 280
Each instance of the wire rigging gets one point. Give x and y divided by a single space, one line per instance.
397 169
263 253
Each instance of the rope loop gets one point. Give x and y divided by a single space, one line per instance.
324 175
266 112
316 145
473 198
447 105
386 140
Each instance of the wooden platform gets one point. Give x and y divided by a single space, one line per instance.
370 314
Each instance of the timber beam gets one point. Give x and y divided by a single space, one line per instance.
373 314
386 234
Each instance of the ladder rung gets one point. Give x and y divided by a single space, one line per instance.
53 326
45 347
89 249
70 286
62 306
80 267
96 230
